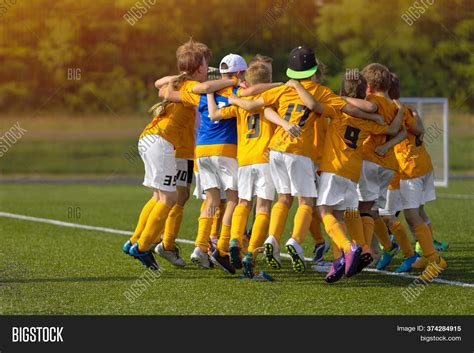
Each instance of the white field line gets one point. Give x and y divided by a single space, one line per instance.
455 196
186 241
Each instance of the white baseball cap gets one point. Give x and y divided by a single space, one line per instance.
234 62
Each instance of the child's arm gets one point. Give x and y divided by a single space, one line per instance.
258 88
170 94
357 113
396 123
214 112
306 97
417 128
383 149
272 116
213 86
164 81
362 104
247 104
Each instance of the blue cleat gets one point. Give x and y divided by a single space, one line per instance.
319 251
407 263
126 247
146 258
234 251
387 256
248 265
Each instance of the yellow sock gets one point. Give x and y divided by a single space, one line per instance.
315 228
425 239
355 227
381 232
239 222
154 226
203 234
259 231
278 219
142 220
430 228
216 224
402 239
368 224
335 229
336 252
173 223
224 238
303 218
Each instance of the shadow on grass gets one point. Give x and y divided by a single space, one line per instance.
69 279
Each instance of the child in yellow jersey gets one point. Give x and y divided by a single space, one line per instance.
340 171
254 133
292 148
417 188
377 168
157 146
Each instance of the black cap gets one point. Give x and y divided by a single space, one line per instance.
302 63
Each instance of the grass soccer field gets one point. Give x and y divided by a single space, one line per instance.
52 269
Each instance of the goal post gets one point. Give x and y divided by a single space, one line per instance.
434 113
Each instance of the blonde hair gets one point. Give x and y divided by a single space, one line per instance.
377 76
258 72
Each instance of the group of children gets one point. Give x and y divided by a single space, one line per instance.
353 161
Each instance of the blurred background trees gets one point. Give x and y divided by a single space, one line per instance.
83 56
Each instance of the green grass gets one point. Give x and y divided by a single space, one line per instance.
46 269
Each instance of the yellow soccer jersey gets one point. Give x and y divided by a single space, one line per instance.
320 131
253 134
342 150
291 108
175 125
388 110
412 156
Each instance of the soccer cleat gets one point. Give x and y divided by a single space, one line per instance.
146 257
387 256
352 258
420 263
297 256
433 270
407 263
272 252
171 256
126 247
200 258
337 270
234 251
222 261
365 260
319 251
248 265
441 245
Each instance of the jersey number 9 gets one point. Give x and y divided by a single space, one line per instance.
351 136
253 125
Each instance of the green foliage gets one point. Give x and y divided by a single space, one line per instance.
118 60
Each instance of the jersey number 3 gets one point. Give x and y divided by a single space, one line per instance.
351 136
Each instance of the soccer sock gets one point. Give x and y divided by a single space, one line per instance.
239 222
173 223
368 224
224 238
303 218
426 241
355 227
204 230
402 239
315 228
142 220
381 232
430 228
336 252
335 229
216 224
203 205
278 219
259 230
154 226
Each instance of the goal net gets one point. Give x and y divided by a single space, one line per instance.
434 113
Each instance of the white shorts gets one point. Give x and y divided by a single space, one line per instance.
373 183
218 172
417 191
184 171
293 174
160 165
337 191
255 180
199 193
393 204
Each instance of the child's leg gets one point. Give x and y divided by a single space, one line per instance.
239 220
279 215
422 233
173 223
144 214
334 224
315 227
303 218
261 224
224 238
206 218
400 234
